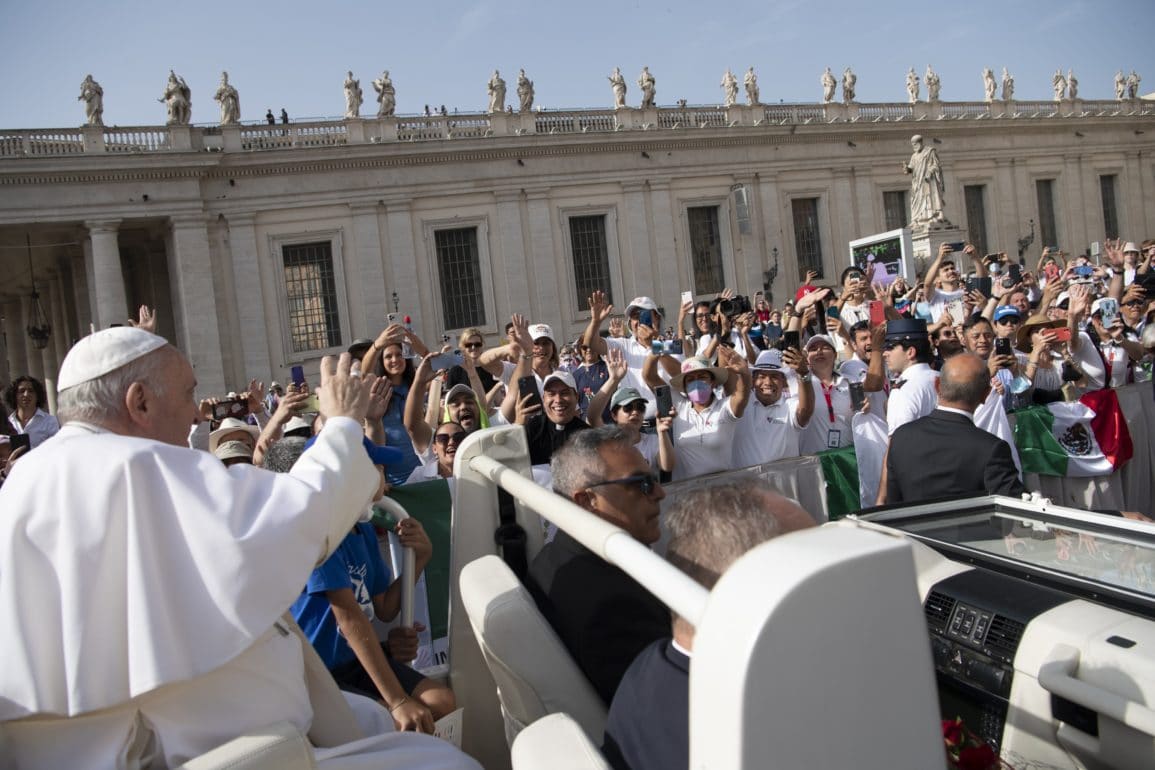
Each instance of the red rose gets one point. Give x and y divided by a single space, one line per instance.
977 758
952 732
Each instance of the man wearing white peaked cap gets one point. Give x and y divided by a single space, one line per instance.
143 581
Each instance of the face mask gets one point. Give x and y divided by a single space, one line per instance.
699 391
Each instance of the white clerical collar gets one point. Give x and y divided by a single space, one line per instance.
681 649
969 415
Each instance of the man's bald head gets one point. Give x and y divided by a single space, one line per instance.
711 526
965 382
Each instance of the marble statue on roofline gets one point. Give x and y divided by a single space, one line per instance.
1059 85
849 82
647 83
229 100
618 83
912 86
93 97
353 96
828 86
729 89
496 90
386 96
177 98
1133 85
1120 85
933 84
990 87
1008 86
926 184
751 83
524 92
1072 85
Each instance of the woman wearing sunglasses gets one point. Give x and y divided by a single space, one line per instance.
448 437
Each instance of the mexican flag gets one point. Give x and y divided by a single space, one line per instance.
1088 437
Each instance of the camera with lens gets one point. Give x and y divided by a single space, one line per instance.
735 306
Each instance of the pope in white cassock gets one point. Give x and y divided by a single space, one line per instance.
142 582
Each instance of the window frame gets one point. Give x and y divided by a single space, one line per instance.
613 254
276 244
430 228
725 239
817 197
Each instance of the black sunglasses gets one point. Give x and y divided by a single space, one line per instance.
633 406
472 345
645 482
444 438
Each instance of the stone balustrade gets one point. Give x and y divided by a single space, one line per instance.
88 140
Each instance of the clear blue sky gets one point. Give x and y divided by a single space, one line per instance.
294 54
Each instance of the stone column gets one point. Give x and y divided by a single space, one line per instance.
50 362
5 367
34 359
107 287
544 300
250 298
667 283
636 269
402 255
367 274
510 267
61 335
14 332
194 302
772 212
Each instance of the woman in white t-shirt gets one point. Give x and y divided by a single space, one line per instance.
704 424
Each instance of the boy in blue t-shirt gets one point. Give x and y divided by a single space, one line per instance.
336 610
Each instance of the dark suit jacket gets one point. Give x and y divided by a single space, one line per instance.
648 727
603 617
945 455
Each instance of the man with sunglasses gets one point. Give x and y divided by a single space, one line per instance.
644 321
602 616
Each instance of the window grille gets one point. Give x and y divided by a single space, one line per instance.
311 290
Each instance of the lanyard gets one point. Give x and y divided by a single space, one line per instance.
826 391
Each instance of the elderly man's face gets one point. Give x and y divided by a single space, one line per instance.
561 402
176 410
623 502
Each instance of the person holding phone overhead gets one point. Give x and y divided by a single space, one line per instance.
627 407
386 358
704 425
769 428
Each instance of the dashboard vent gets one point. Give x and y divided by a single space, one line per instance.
938 609
1003 637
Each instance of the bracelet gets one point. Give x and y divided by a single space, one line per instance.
400 703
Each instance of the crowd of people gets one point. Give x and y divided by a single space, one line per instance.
609 417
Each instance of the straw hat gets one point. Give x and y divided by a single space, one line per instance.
699 364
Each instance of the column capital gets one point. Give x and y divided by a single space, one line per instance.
102 225
397 204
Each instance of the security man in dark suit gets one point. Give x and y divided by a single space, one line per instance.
944 454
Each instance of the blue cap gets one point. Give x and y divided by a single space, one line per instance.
1005 311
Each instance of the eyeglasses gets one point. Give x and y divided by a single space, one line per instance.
472 345
634 406
444 438
1009 320
701 315
646 483
1133 303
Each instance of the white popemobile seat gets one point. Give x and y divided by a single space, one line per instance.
534 672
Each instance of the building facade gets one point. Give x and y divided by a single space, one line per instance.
263 247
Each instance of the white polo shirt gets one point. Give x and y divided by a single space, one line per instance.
914 397
703 440
766 432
